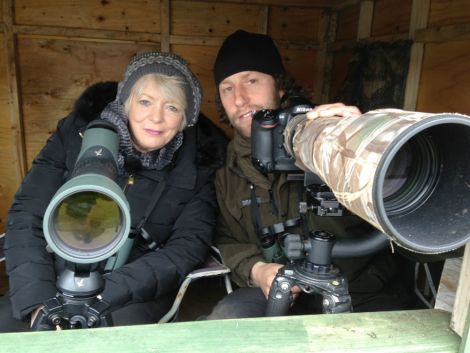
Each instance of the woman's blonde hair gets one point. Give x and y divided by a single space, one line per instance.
171 87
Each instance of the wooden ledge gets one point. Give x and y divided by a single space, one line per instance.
400 331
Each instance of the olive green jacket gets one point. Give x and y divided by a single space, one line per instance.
278 199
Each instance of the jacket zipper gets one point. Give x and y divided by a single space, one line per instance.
130 181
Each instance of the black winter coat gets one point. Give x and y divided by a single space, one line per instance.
182 220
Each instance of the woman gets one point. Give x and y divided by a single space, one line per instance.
155 109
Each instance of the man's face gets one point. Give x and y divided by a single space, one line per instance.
244 93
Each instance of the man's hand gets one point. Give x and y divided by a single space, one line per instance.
262 275
334 109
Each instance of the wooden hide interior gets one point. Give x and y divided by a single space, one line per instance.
52 50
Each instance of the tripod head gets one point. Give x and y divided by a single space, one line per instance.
77 303
312 270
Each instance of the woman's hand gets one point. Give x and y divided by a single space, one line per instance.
334 109
35 313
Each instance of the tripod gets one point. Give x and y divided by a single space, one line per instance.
76 304
313 274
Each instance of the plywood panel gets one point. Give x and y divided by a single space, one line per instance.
54 73
124 15
348 20
211 18
301 64
391 17
449 12
445 78
201 60
339 72
1 11
294 23
8 180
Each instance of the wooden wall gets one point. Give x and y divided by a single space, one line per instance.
52 50
438 79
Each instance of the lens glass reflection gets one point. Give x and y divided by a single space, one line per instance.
398 171
87 221
411 176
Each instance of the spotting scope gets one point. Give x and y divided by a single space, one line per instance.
88 218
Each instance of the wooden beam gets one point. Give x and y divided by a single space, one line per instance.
263 20
419 16
419 20
14 84
366 14
350 44
86 34
326 36
165 25
443 34
300 3
462 296
379 332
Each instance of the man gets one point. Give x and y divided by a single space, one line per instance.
250 76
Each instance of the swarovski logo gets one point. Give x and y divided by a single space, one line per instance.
99 153
80 283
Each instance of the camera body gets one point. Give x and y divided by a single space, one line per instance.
267 135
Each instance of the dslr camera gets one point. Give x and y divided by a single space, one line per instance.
267 135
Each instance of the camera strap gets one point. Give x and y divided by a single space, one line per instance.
121 256
157 193
267 235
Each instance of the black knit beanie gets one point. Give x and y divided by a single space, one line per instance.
165 64
244 51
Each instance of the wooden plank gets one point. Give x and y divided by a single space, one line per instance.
465 344
9 180
419 16
263 20
366 12
445 298
414 75
165 25
201 60
350 44
189 18
449 12
406 331
302 65
121 15
443 34
348 20
304 3
326 36
391 17
340 68
419 20
86 34
294 24
445 78
16 118
462 296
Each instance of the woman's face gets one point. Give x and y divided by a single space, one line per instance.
153 119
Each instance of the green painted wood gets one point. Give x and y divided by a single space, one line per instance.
465 343
400 331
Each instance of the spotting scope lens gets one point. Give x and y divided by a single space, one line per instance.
88 218
411 176
87 222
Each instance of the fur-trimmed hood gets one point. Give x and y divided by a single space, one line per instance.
211 140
